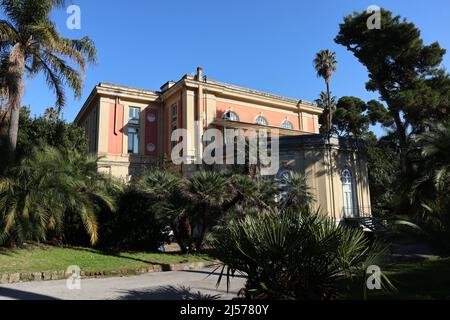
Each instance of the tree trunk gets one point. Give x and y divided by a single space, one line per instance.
14 80
178 238
14 127
401 134
199 244
330 111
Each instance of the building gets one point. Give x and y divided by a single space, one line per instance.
131 130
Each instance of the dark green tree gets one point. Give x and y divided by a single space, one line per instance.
383 163
401 68
351 117
41 131
430 191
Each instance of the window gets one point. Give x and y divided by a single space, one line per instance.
133 140
134 115
347 186
287 125
231 116
173 121
174 117
260 120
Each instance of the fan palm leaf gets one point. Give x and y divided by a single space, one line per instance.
47 185
292 255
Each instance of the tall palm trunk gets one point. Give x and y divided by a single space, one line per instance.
329 133
14 78
330 112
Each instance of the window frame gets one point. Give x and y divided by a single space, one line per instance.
174 116
286 121
266 123
230 112
133 140
348 186
132 119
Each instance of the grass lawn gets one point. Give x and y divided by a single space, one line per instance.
40 258
414 281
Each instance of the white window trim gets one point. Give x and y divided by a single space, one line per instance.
291 125
265 120
238 119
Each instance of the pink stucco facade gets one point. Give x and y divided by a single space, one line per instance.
131 128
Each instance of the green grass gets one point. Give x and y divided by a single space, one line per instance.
414 281
39 258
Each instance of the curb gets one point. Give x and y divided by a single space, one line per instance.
12 278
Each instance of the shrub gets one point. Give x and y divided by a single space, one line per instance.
46 186
134 226
291 255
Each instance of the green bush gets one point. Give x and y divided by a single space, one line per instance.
134 226
288 255
47 186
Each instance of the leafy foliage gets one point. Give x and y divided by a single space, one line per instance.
408 170
325 64
291 255
36 195
404 71
295 192
353 116
430 192
134 226
41 131
383 162
194 205
31 44
38 133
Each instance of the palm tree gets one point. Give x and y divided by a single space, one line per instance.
51 114
207 192
163 190
31 44
323 102
325 64
47 185
295 192
430 192
256 192
292 255
435 151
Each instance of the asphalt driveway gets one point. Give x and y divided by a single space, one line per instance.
176 285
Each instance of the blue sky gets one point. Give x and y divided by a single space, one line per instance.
265 45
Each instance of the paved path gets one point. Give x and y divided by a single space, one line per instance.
177 285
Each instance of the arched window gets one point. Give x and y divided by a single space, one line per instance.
287 125
230 116
349 199
260 120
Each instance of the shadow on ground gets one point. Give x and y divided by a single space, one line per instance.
216 273
22 295
167 293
